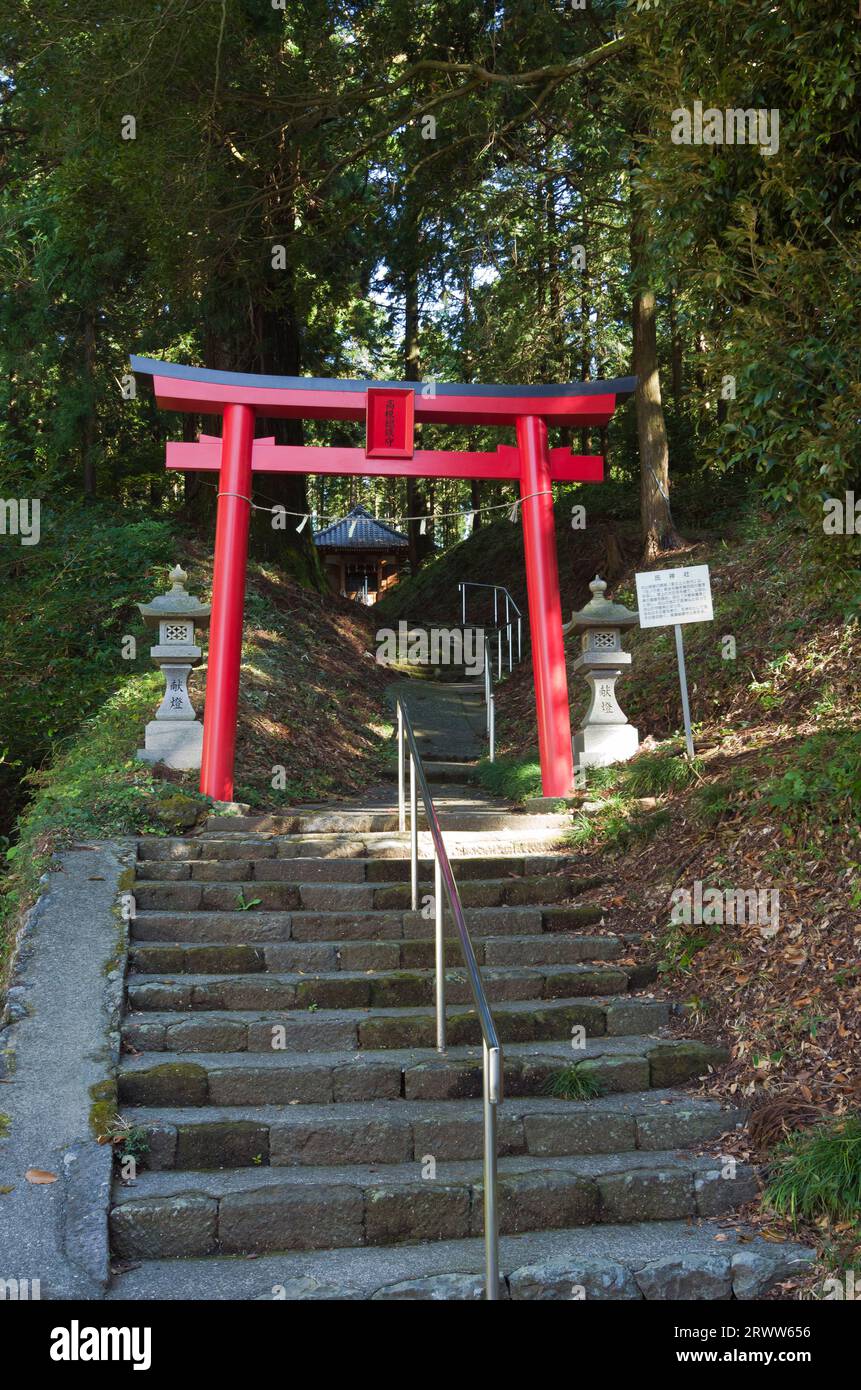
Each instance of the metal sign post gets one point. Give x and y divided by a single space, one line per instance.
683 682
668 598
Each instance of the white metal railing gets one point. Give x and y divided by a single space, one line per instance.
491 1049
504 632
507 628
490 701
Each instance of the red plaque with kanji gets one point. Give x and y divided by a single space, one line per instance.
389 423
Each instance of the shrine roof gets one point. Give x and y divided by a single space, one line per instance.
368 534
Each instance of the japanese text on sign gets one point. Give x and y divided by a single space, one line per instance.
665 597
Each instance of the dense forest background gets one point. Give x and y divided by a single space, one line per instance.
451 189
408 189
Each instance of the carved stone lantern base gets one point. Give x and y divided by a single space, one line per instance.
600 745
178 743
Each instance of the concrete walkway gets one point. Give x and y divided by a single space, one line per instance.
448 717
58 1054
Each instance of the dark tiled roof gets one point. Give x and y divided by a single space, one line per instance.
369 534
148 366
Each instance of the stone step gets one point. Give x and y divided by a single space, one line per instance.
441 771
408 1131
201 958
325 822
253 926
367 845
313 1208
614 1065
281 896
347 989
312 1030
666 1261
302 869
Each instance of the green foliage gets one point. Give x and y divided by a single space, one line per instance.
714 800
677 945
93 790
572 1083
766 251
65 606
817 1174
822 781
654 774
514 779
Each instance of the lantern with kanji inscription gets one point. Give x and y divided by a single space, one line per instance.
175 737
605 735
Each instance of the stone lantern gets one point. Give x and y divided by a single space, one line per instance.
175 737
605 735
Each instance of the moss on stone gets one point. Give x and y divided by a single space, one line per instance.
169 1083
179 812
103 1110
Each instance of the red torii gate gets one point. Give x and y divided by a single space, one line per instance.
390 410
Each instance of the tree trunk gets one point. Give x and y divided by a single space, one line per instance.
88 423
278 353
676 352
699 374
656 521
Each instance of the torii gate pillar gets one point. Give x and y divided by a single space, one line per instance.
545 612
228 603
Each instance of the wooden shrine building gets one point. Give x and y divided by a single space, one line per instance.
361 555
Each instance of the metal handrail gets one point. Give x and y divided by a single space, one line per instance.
507 626
490 701
492 1059
464 584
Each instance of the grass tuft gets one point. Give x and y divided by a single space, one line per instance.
817 1174
511 778
572 1083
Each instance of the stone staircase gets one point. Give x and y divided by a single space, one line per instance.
306 1141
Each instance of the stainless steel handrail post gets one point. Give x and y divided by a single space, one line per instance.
492 1058
402 809
492 729
491 1061
510 605
488 683
499 651
414 836
439 953
508 626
